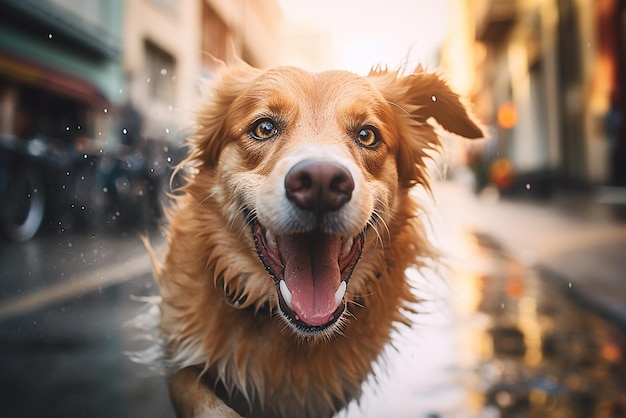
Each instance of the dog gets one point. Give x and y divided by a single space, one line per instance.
284 270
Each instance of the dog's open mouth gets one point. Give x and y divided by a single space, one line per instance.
311 271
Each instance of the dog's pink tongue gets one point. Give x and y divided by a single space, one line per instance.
312 274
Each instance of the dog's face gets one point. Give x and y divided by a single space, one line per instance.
313 167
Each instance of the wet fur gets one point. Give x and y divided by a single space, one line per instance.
226 350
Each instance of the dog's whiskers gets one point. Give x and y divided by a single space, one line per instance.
357 304
375 223
350 314
248 218
406 112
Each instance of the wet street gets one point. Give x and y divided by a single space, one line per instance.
493 339
63 302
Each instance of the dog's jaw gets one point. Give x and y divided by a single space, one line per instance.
311 272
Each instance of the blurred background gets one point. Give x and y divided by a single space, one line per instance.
95 103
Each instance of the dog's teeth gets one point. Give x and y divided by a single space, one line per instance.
284 290
340 292
347 246
269 237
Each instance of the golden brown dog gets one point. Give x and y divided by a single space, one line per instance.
284 272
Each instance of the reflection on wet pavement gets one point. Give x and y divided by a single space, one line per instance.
531 350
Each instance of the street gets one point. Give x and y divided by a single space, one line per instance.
494 337
62 341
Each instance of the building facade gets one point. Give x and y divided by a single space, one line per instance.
59 68
171 45
549 83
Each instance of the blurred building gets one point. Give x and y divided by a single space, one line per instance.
169 45
547 77
59 68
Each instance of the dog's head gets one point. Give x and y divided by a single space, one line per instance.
314 167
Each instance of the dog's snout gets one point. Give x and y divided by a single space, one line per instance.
319 185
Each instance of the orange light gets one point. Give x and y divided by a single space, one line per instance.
611 352
507 115
501 173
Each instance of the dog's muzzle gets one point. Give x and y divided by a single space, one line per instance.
312 265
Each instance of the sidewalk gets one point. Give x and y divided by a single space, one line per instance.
573 240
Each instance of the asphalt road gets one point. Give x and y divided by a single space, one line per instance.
63 302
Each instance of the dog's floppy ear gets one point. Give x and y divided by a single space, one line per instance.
416 98
216 106
430 96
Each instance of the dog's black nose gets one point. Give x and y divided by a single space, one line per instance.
319 185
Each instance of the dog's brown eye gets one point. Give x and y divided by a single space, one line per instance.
368 137
263 130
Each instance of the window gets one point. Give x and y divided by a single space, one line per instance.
161 74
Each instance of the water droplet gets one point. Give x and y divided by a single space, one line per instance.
67 173
124 131
169 159
433 98
148 80
106 110
78 127
570 285
527 186
85 156
67 128
163 71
